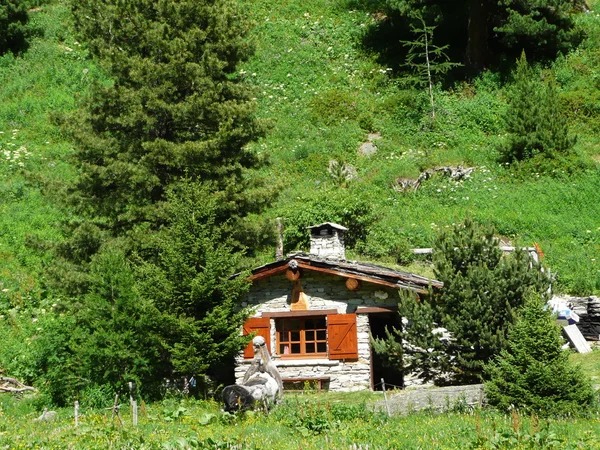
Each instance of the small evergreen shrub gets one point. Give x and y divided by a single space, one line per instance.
536 127
534 372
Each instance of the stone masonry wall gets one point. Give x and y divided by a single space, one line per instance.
328 245
323 292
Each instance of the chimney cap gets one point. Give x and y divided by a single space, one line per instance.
328 224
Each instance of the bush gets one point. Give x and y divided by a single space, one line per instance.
340 206
534 372
384 242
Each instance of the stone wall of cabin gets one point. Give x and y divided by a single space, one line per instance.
323 292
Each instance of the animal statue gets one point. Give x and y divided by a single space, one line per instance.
262 382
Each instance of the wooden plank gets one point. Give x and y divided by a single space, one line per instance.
577 339
288 314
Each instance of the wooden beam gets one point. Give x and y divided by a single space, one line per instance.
268 273
286 314
293 275
352 284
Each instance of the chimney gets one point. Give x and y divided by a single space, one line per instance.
327 241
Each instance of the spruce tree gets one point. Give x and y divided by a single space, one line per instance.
536 128
13 19
174 109
482 292
188 280
477 29
533 372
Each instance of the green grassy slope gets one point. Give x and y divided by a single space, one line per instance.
33 155
322 92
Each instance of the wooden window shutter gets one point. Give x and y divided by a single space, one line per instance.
262 326
342 338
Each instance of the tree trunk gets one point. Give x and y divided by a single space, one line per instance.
477 45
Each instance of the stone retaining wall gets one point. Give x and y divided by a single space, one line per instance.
438 399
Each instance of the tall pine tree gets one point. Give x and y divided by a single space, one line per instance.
173 109
166 176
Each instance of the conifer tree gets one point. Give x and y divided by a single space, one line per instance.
476 29
188 280
13 18
534 121
482 292
533 372
173 109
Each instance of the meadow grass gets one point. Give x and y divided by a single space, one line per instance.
309 422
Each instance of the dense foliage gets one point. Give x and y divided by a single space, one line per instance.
478 29
13 19
534 372
163 183
324 96
483 290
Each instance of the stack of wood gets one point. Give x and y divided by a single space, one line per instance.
12 385
588 310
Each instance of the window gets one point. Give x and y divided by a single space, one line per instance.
302 336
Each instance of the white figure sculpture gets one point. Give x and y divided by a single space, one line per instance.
262 382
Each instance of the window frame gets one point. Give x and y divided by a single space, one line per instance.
279 328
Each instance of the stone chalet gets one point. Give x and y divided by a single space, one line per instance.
317 310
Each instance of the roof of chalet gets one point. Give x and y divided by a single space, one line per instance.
370 273
329 224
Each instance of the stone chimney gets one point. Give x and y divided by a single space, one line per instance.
327 240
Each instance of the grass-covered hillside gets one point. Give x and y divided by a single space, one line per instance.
324 89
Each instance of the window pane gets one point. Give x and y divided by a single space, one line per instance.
294 324
310 348
295 336
321 335
321 347
295 348
284 349
320 323
310 335
309 324
284 336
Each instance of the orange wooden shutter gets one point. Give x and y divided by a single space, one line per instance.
341 336
262 326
